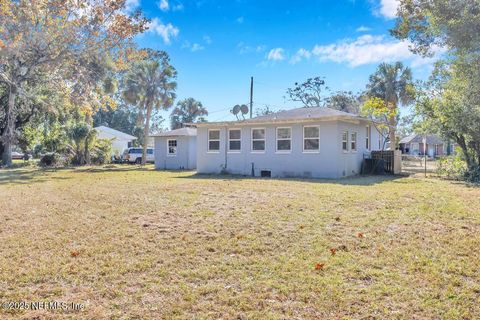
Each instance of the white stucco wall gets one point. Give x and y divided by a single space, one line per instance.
185 157
329 162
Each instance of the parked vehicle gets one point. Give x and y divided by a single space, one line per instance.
134 155
19 156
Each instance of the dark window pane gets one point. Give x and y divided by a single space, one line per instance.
311 144
214 134
235 145
214 145
258 145
283 133
258 133
311 132
283 145
234 134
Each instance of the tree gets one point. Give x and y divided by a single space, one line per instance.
187 111
380 112
265 110
150 85
344 101
392 83
54 42
449 103
433 24
309 93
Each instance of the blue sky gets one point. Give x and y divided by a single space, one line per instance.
217 45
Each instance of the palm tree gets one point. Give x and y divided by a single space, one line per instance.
150 85
188 110
393 84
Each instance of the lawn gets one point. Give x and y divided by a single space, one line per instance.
134 243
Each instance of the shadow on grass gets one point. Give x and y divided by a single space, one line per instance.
28 175
364 180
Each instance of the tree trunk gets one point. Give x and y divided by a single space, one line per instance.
392 123
146 130
9 133
462 143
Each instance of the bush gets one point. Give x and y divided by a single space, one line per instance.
473 175
50 159
452 167
102 152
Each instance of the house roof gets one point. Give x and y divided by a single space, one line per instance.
298 114
418 138
115 133
186 132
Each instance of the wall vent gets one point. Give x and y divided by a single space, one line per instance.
265 173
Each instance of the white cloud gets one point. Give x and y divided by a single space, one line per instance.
299 55
366 49
363 29
166 31
276 54
178 7
207 39
131 5
163 5
239 20
388 8
196 47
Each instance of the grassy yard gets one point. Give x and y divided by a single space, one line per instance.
136 243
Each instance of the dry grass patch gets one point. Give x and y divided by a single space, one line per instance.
136 243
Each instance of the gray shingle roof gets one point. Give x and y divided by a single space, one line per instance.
187 131
418 138
298 114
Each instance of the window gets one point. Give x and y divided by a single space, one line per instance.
345 141
213 140
172 147
234 140
368 137
149 151
258 139
353 141
311 138
284 139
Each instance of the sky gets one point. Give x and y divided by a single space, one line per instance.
216 46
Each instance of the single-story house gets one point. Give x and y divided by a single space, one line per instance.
120 140
305 142
413 145
176 149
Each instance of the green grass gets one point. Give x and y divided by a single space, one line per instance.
174 245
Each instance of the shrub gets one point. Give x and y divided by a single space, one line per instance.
452 167
473 175
50 159
102 152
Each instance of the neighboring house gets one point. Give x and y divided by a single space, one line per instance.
413 145
305 142
120 140
176 149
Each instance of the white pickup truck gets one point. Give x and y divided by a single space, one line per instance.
134 155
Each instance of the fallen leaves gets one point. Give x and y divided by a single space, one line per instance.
74 253
333 251
319 266
360 235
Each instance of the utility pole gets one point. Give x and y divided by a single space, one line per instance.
251 97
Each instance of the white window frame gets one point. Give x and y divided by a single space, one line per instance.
303 140
264 140
208 141
345 133
240 139
168 148
368 138
283 139
353 134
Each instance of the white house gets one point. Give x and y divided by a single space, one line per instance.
176 149
120 140
304 142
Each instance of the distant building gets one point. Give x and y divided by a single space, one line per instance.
120 140
436 146
176 149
